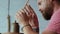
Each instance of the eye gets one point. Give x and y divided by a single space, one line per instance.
39 3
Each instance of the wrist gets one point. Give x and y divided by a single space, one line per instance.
26 25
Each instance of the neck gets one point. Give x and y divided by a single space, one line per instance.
56 7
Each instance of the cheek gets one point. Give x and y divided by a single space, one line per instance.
42 6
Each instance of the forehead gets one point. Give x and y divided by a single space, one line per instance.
41 0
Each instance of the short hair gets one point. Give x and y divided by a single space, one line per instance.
58 1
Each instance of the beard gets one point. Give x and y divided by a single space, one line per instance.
47 13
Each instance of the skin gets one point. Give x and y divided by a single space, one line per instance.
46 8
26 15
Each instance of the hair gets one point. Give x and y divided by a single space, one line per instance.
58 1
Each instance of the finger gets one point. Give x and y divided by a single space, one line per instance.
31 11
17 14
28 14
20 13
17 17
30 8
23 12
26 11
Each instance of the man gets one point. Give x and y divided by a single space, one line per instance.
50 10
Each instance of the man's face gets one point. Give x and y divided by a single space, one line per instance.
46 8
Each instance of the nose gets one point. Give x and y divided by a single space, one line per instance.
40 10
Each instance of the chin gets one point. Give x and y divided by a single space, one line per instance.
47 13
47 16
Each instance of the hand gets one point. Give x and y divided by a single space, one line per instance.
27 15
33 20
22 17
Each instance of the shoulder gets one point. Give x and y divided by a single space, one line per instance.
55 17
55 20
48 32
54 23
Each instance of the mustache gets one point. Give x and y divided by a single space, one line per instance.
45 14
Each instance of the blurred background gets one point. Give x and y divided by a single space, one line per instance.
16 5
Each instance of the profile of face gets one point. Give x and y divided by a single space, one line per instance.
46 8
